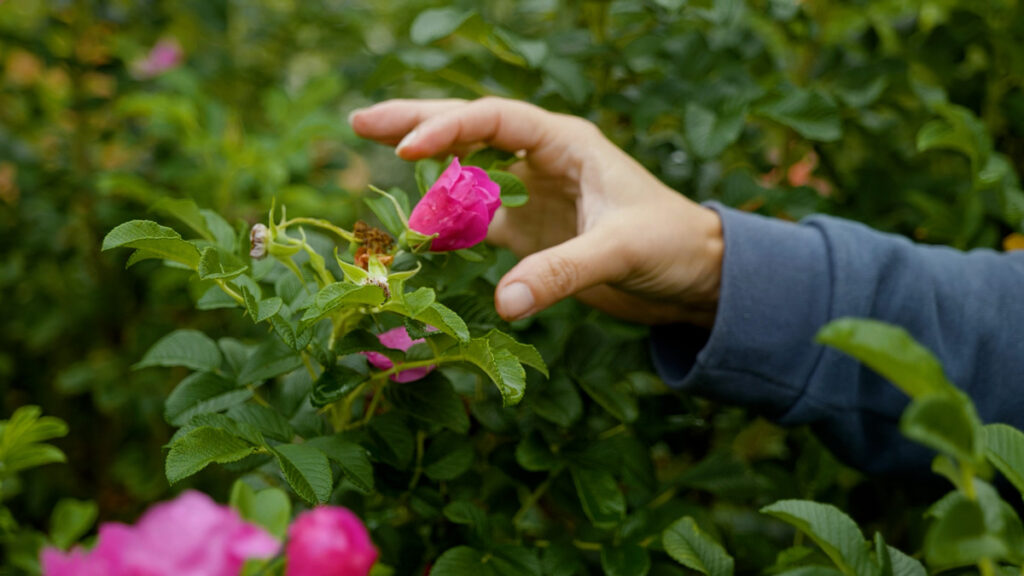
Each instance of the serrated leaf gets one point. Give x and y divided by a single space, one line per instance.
307 471
959 130
525 353
600 496
201 447
903 565
437 23
709 133
185 210
533 454
350 457
557 401
625 560
488 158
962 536
70 520
202 393
610 395
215 263
269 508
215 299
834 532
427 172
461 561
891 352
444 319
339 294
1004 448
335 383
948 424
271 359
513 191
393 440
500 365
189 348
810 113
448 456
687 544
267 420
153 238
431 399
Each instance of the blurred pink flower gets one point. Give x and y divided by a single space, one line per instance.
329 541
397 339
165 55
458 208
189 536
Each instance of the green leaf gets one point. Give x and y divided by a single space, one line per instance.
600 496
513 191
836 534
625 560
393 440
948 424
427 172
557 400
489 159
810 113
461 561
350 457
223 234
612 396
202 393
185 210
534 454
70 520
189 348
437 23
444 319
270 508
335 383
269 422
215 263
271 359
959 130
307 471
962 536
687 544
201 447
500 365
448 456
891 352
155 239
709 133
514 561
341 294
1004 448
431 399
525 353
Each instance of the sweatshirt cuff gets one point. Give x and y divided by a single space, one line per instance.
775 294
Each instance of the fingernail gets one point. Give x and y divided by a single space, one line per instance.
353 113
516 300
405 141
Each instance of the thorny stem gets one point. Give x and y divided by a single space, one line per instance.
317 222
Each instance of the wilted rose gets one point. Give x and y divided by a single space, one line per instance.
189 536
458 208
258 237
329 541
397 339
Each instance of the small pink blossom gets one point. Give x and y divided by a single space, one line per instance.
329 541
397 339
458 208
189 536
165 55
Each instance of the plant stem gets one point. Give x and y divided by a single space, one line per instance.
258 398
421 437
534 496
230 292
309 365
324 224
372 408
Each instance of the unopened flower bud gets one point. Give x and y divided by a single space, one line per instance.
258 241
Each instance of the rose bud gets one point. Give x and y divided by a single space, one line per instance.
329 541
397 339
458 208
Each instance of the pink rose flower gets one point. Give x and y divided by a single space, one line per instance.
189 536
458 208
329 541
397 339
165 55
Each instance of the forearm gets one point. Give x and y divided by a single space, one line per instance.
781 282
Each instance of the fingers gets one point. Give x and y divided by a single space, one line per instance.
389 122
431 127
548 276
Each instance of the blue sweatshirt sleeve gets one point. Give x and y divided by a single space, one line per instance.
781 282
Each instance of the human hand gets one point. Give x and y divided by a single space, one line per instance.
597 225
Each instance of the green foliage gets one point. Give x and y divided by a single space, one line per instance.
905 115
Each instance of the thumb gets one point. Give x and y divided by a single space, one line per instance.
544 278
